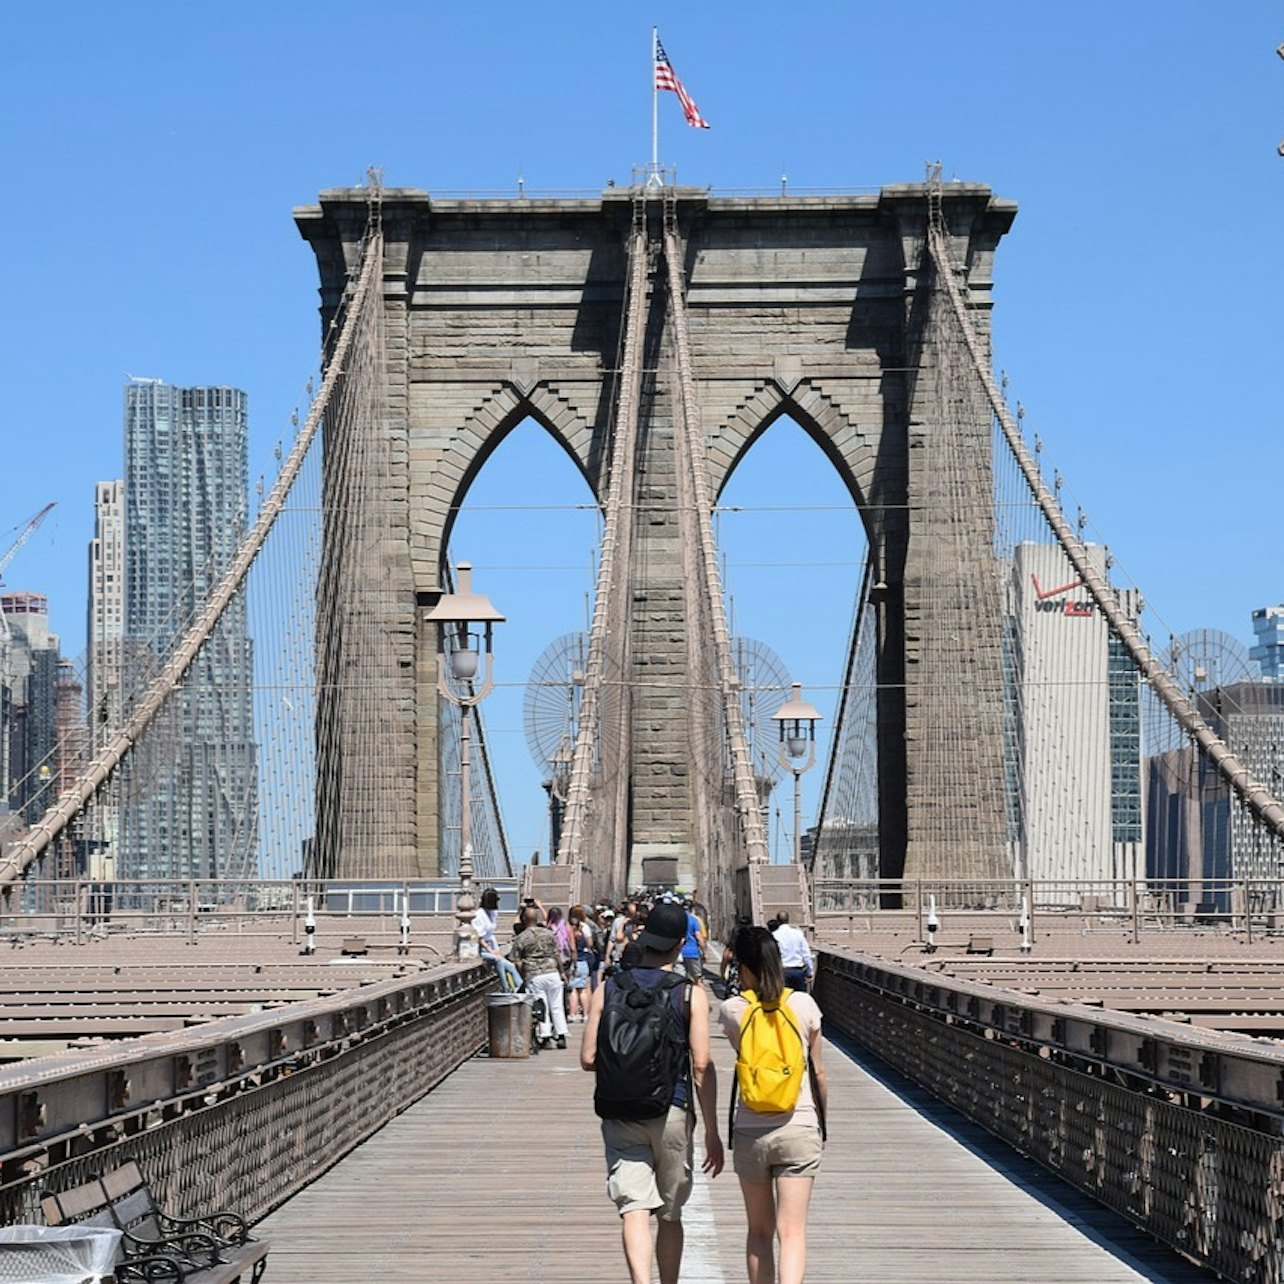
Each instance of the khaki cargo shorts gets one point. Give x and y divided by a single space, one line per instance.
791 1150
649 1163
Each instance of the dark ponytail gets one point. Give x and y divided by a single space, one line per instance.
756 949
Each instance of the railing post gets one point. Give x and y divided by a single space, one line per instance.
191 911
1248 911
1029 909
918 907
1135 894
80 891
294 916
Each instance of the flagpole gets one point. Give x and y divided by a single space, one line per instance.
655 105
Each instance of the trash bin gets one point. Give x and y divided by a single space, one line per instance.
56 1254
508 1018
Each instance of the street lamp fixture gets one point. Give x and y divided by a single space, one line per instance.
464 621
797 720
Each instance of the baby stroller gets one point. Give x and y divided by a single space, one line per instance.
541 1025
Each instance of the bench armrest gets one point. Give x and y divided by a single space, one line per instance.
231 1227
198 1248
153 1269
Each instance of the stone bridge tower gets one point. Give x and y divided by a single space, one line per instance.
816 308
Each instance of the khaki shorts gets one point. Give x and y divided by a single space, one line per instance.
792 1150
649 1163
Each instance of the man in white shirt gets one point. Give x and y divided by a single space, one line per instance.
795 954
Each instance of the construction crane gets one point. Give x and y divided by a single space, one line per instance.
12 551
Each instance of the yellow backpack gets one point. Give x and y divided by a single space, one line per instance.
771 1057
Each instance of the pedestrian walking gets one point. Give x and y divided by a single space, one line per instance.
693 946
795 953
536 954
730 967
621 930
778 1125
577 991
647 1040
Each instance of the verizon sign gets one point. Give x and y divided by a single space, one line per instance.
1052 601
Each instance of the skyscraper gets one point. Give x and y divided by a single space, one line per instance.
31 670
191 788
1268 627
105 658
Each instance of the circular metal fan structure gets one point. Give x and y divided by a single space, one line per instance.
1200 661
553 694
1204 659
764 687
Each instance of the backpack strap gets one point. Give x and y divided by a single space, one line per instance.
674 981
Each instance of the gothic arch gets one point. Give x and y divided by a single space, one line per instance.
858 455
473 442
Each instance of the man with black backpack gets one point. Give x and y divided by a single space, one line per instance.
647 1039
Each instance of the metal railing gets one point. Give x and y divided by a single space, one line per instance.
83 910
1246 907
1176 1129
242 1112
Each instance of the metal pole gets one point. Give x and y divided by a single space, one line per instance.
798 818
465 786
1136 914
655 105
465 939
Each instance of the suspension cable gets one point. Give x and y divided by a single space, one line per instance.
742 765
1259 800
37 840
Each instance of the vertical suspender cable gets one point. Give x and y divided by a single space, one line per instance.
38 839
1259 800
617 538
747 806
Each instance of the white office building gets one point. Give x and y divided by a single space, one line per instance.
1073 729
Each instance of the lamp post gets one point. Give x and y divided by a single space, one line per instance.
464 647
797 721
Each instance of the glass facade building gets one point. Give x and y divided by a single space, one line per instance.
191 798
1268 628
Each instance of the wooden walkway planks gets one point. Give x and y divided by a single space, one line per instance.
498 1175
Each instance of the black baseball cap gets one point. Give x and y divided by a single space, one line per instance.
666 925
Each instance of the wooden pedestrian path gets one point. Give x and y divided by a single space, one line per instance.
498 1175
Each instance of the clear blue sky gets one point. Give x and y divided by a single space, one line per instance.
153 151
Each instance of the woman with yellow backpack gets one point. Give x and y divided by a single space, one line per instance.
777 1127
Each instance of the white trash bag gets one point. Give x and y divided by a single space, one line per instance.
56 1254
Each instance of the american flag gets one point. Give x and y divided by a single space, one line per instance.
666 78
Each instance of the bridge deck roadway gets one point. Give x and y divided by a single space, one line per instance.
498 1175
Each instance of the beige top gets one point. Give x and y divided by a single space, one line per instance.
804 1010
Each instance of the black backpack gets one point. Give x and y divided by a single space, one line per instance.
641 1046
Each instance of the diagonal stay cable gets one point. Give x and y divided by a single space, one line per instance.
616 539
36 841
746 793
1259 800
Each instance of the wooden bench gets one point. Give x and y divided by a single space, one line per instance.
215 1249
